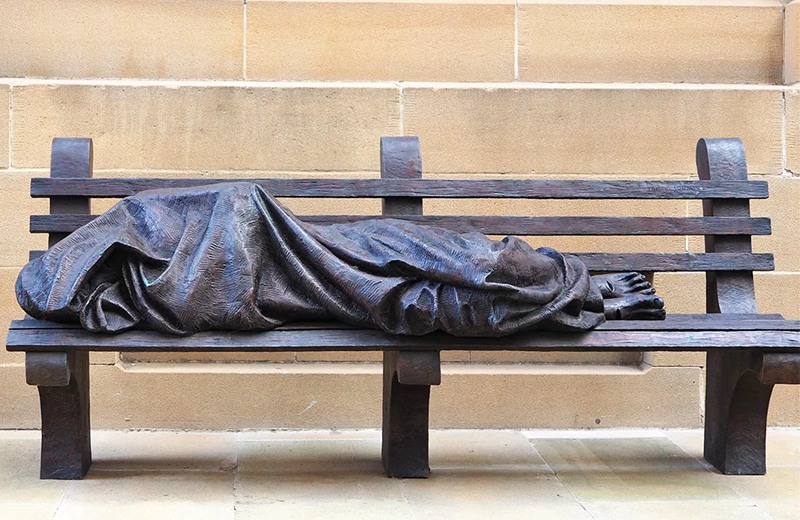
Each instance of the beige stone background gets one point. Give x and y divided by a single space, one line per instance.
494 88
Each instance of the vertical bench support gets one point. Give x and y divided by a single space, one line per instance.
736 399
63 382
407 380
407 376
63 377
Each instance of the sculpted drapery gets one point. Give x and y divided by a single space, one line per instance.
231 257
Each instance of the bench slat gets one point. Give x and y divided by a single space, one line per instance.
657 262
350 188
493 225
370 340
672 322
677 262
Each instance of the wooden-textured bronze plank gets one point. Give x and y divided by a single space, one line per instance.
676 262
676 322
524 226
433 188
660 262
370 340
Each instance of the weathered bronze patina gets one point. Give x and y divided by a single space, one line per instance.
231 257
748 352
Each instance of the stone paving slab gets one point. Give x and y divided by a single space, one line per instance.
563 475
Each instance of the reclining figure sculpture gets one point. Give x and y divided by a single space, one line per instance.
230 257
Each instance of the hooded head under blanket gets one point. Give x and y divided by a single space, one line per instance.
231 257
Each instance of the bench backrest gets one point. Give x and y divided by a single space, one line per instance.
723 187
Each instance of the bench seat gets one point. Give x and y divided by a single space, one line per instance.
680 332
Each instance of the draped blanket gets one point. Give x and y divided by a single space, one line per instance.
231 257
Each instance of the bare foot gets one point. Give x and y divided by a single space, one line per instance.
629 296
617 285
635 306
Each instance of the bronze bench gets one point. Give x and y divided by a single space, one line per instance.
747 352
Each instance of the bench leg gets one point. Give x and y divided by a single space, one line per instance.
736 412
407 380
63 383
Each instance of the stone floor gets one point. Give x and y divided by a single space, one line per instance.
476 474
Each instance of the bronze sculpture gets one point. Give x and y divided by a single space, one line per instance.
230 257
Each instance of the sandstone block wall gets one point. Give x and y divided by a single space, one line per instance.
494 88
